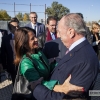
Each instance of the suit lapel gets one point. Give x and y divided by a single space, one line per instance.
30 25
71 54
66 58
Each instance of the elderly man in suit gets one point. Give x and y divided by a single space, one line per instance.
7 49
38 27
80 61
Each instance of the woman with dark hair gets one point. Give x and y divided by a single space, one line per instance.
26 45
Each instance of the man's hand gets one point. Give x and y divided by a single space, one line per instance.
67 87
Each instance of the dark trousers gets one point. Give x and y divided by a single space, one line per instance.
12 71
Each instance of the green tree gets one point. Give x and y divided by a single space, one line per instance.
19 16
26 17
57 10
4 15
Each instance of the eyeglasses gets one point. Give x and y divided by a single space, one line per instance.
14 26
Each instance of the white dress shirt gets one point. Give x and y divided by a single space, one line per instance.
34 26
76 43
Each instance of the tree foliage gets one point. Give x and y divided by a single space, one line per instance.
4 15
19 16
26 17
57 10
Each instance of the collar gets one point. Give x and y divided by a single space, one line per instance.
76 43
34 24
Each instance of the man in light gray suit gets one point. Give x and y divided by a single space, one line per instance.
39 27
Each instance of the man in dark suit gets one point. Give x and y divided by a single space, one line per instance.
7 49
39 27
80 61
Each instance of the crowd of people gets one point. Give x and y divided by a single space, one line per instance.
60 60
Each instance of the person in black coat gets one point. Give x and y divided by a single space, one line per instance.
7 49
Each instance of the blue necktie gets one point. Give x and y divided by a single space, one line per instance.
53 36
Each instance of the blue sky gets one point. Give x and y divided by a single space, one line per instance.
89 8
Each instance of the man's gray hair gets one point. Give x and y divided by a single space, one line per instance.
74 21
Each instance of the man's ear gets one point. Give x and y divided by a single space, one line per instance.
72 33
